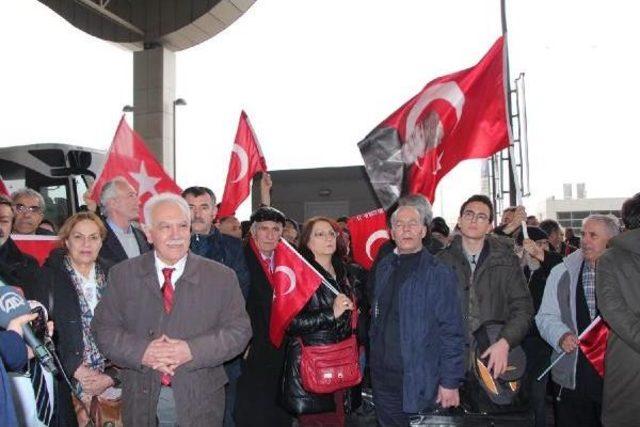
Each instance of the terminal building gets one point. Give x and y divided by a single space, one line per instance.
570 211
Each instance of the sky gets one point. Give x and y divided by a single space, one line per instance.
315 77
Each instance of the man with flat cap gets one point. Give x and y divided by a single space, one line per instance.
258 385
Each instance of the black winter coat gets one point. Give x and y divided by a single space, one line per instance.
18 269
256 402
315 325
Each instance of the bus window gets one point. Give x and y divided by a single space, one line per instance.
56 208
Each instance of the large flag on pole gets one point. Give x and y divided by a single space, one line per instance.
455 117
593 343
368 233
130 158
294 281
248 161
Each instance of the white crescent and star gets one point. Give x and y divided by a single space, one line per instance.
376 235
243 158
146 183
290 274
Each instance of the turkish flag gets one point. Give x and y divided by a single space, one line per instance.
368 233
294 281
593 343
35 245
455 117
130 158
248 161
3 189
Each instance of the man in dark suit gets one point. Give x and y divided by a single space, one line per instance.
260 379
209 242
170 319
119 203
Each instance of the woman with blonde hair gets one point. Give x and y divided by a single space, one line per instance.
78 282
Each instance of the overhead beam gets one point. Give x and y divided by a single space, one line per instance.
98 8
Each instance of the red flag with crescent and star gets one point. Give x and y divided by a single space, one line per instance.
455 117
368 233
248 161
294 281
130 158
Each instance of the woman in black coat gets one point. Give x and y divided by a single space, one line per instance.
77 281
326 319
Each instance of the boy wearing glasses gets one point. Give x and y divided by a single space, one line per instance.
491 284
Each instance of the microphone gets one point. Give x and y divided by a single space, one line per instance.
13 305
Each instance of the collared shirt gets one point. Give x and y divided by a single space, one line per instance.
177 273
126 238
269 261
589 286
473 260
89 287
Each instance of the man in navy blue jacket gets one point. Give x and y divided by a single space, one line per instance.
417 334
209 242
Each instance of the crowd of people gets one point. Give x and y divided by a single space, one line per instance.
168 323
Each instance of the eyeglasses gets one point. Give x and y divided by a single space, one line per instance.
325 234
411 224
31 209
470 215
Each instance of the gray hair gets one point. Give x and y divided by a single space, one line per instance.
419 203
165 198
109 191
611 223
28 192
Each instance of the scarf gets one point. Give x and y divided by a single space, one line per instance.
91 355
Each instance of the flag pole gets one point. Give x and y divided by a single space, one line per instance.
324 281
587 329
514 192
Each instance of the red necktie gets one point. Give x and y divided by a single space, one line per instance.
167 289
167 296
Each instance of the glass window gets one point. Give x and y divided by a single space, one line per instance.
55 200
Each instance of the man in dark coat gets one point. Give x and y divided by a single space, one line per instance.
17 268
417 336
260 379
491 285
21 270
618 293
209 242
120 205
170 319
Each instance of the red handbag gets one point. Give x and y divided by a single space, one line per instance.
331 367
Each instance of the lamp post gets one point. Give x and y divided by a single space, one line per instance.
177 102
